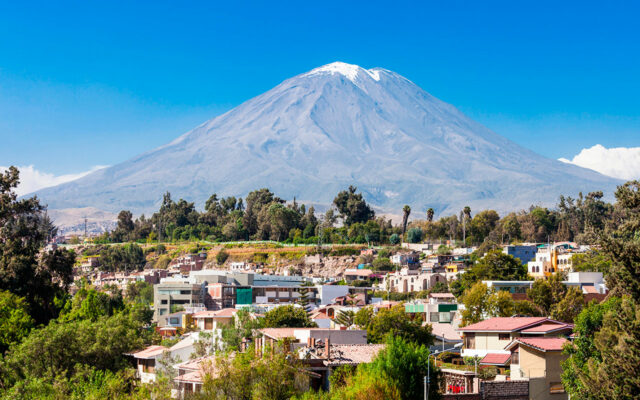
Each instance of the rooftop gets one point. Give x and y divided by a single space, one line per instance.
224 313
547 327
495 359
442 295
149 352
504 324
539 343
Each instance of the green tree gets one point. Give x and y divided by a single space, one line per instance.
415 235
24 271
15 321
541 295
352 206
476 303
270 375
604 356
287 316
592 261
569 307
481 302
363 317
394 239
404 364
125 227
495 265
382 264
397 323
482 224
125 257
242 328
60 350
501 304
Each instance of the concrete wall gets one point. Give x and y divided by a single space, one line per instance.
329 292
539 389
488 342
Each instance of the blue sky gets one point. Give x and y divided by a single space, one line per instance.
95 83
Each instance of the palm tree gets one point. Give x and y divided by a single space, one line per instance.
406 210
430 213
466 216
345 318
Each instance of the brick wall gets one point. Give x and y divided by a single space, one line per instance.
513 390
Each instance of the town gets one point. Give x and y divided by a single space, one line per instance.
501 318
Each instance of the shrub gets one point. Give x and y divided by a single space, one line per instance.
221 257
415 235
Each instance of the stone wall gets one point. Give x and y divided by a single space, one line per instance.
513 390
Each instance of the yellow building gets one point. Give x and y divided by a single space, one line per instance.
538 359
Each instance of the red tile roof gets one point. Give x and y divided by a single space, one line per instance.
150 352
441 295
540 343
278 333
504 324
224 313
547 327
495 359
190 377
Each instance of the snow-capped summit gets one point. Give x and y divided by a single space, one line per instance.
319 132
348 70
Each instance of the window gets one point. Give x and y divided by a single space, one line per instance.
445 317
434 317
470 340
163 301
556 387
208 324
504 336
148 365
515 358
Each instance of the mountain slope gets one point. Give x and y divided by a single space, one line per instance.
337 125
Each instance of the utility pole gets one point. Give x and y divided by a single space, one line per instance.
426 393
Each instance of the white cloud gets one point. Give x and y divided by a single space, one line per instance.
31 179
617 162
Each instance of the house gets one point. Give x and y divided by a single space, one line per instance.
406 259
179 319
171 293
190 262
587 282
213 320
351 275
524 253
492 335
538 359
191 375
146 362
322 357
408 280
321 319
513 287
295 338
